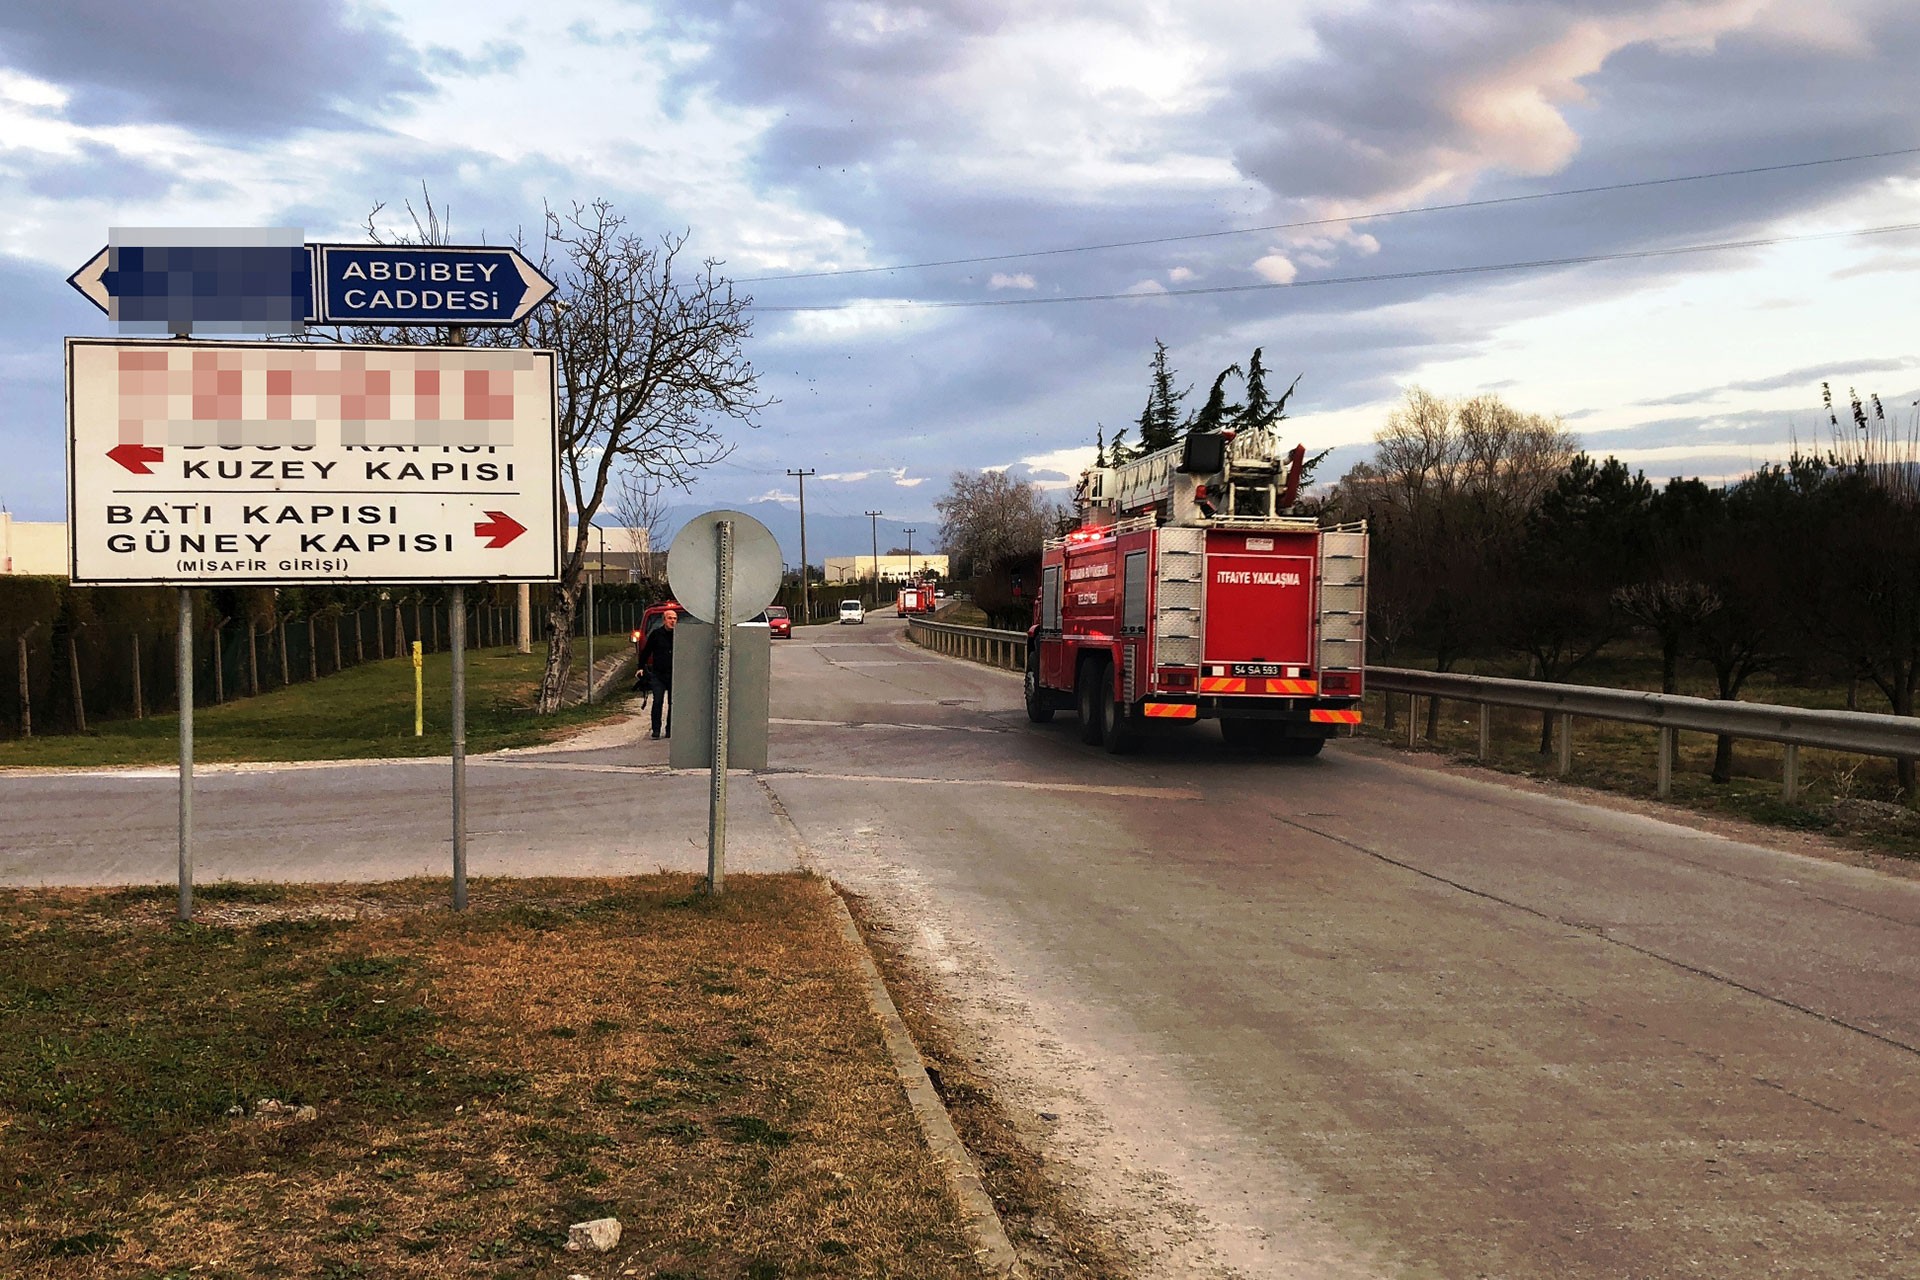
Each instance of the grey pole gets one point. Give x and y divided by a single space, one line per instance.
590 629
722 673
457 633
185 682
806 594
523 620
873 527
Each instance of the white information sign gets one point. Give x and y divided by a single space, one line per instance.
217 463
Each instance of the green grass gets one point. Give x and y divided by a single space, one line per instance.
361 713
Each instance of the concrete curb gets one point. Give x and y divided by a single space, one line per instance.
606 671
991 1247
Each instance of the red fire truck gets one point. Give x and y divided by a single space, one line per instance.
1189 592
916 599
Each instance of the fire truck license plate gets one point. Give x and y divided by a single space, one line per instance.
1258 669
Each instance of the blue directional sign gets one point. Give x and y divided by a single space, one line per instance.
267 281
201 280
421 284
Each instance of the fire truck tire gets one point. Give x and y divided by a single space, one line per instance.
1086 696
1115 733
1039 709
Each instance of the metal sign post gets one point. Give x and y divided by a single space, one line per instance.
457 634
184 681
735 572
723 625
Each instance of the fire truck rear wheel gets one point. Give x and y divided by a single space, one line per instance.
1039 709
1115 733
1086 693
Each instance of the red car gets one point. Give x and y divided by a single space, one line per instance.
778 622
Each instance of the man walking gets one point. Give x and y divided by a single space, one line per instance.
656 659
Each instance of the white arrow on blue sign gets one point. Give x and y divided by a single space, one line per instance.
426 284
330 283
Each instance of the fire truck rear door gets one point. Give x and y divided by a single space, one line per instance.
1259 602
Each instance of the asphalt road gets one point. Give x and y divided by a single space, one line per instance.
1339 1017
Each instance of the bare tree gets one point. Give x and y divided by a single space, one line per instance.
636 504
989 516
1448 494
652 367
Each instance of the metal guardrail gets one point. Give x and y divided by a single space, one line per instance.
1856 732
989 645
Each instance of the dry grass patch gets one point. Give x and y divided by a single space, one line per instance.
706 1071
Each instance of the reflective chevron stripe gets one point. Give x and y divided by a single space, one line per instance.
1172 710
1223 684
1296 688
1336 717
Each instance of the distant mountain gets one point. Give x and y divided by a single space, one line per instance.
826 535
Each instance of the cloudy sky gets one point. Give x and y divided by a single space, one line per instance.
864 139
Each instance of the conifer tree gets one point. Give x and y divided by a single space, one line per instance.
1160 420
1216 412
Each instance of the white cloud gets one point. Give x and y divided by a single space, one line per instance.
776 495
1001 280
1276 267
1145 286
861 320
1058 468
898 475
1180 275
31 92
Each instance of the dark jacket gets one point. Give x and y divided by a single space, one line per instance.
657 654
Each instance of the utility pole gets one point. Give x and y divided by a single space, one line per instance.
873 524
910 534
806 606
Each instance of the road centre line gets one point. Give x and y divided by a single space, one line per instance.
1016 784
575 766
808 775
888 724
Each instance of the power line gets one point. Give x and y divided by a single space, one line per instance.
1532 264
1488 202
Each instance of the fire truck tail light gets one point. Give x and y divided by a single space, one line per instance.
1177 679
1336 682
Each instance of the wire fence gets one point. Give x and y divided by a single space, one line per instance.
80 656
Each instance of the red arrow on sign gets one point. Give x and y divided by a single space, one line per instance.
499 528
135 457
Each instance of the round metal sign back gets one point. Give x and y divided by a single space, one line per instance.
694 557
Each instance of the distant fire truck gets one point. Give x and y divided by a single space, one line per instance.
1189 592
917 599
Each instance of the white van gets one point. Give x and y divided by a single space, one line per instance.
852 611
